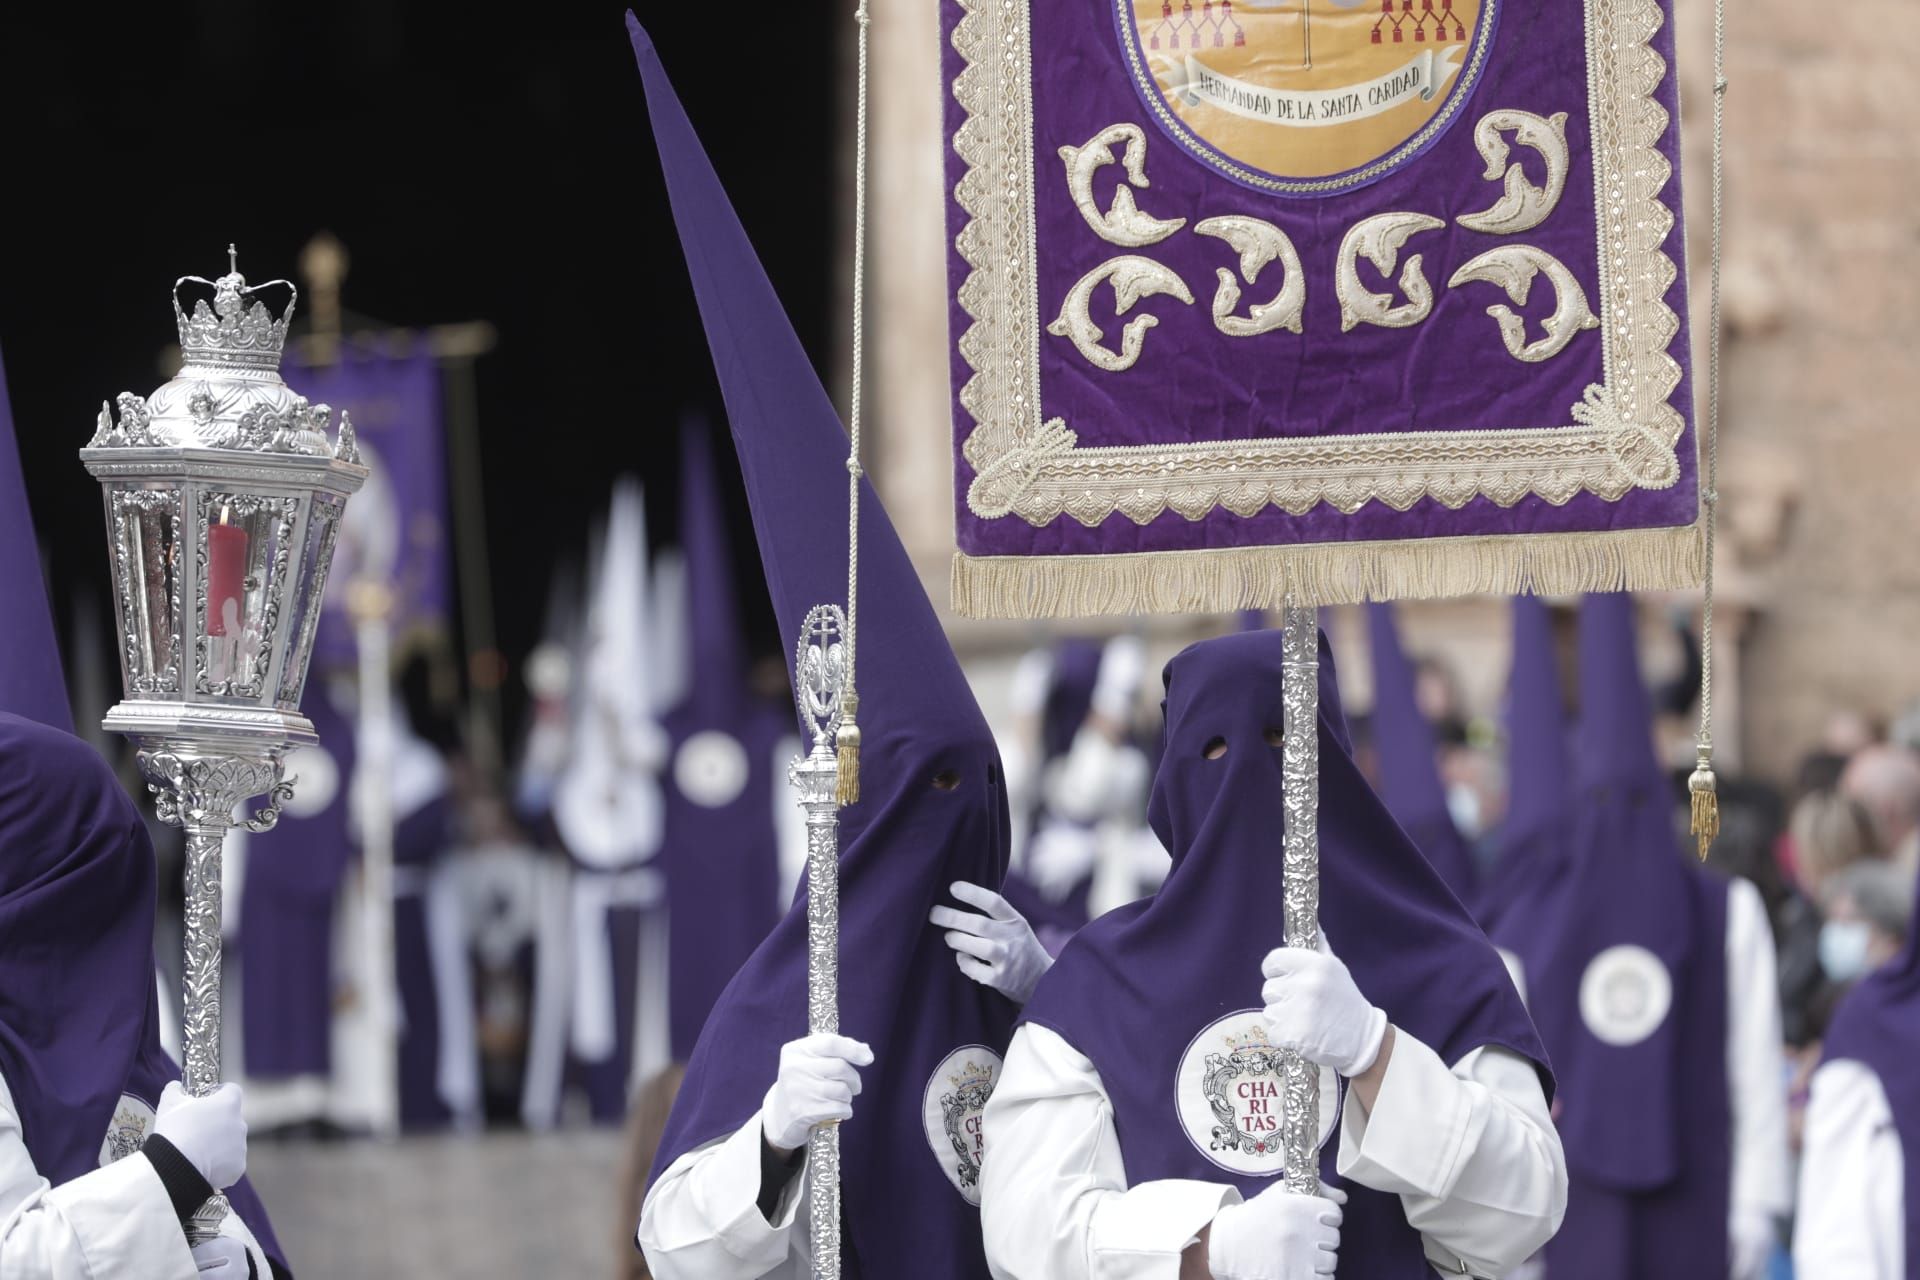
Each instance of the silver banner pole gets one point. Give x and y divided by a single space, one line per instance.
820 664
1300 764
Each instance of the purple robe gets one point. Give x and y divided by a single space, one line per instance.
1140 988
907 839
1878 1026
31 683
79 1014
1407 761
287 902
1617 911
419 838
1539 793
721 848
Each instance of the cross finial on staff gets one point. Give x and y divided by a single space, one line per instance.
233 260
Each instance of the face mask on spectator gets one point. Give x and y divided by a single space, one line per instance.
1843 948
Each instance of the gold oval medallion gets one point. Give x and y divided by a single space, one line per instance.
1305 97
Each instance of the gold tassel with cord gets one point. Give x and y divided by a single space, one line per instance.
1706 801
846 743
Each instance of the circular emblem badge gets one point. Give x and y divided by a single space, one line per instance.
127 1131
1305 97
1625 995
1230 1096
711 769
317 775
957 1093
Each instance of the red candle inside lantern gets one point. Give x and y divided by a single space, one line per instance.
226 576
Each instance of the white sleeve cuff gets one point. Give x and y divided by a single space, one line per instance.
122 1212
726 1188
1140 1235
1421 1121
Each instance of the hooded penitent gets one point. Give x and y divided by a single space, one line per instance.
932 809
721 852
1623 948
1539 778
1878 1025
1408 762
1164 994
30 681
79 1013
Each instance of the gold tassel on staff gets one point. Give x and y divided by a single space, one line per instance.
846 744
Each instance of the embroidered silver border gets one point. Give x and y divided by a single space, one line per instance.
1622 435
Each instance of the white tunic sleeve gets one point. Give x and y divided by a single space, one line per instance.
702 1219
116 1221
1851 1223
1762 1186
1472 1153
1055 1204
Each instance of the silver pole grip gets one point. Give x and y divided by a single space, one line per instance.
820 677
815 777
1300 794
200 1016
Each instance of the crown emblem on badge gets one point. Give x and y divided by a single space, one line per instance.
1254 1037
973 1073
234 331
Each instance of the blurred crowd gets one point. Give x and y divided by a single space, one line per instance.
558 937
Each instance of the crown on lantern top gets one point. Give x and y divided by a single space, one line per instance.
232 332
1254 1037
972 1073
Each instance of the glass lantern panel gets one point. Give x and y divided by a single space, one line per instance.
246 541
322 531
146 571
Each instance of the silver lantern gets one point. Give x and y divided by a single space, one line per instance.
223 500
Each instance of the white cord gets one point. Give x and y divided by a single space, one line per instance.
1712 494
859 344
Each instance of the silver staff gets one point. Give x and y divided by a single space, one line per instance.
1300 794
820 667
223 499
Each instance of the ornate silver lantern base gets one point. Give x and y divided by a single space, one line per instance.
198 783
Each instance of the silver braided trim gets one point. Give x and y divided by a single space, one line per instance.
1300 794
859 344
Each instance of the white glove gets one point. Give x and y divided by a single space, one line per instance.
1277 1235
816 1085
208 1131
1751 1243
1060 857
997 949
223 1256
1314 1009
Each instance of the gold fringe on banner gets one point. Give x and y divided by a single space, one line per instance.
1227 579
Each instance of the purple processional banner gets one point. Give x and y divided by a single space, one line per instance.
1342 299
398 536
